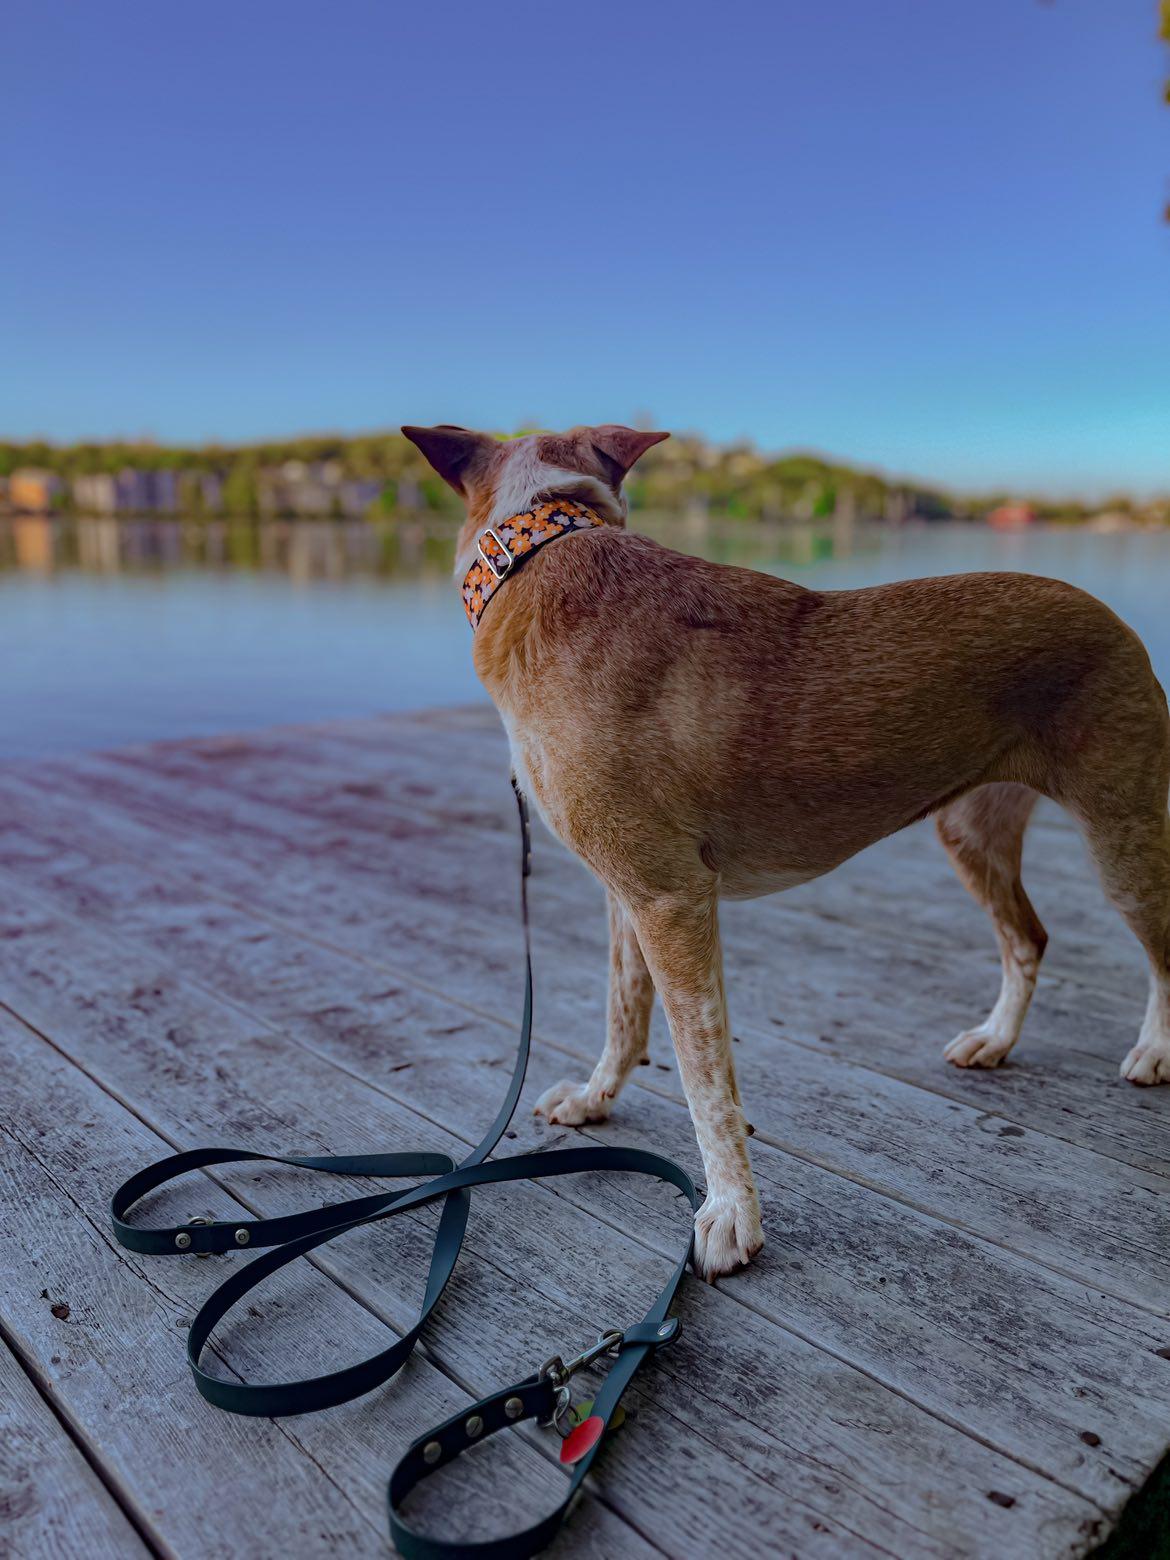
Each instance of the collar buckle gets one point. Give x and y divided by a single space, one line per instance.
500 567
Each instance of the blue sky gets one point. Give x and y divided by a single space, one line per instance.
914 233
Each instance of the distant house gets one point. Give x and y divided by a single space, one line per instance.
1012 517
409 494
146 492
357 497
95 494
200 492
316 488
32 492
130 492
293 488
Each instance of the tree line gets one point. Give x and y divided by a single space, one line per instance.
686 474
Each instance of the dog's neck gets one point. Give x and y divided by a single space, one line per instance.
523 485
506 547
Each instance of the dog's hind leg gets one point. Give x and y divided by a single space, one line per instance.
983 832
679 935
631 1001
1115 781
1130 841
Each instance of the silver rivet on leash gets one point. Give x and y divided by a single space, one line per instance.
242 1237
474 1426
432 1451
514 1407
182 1240
666 1329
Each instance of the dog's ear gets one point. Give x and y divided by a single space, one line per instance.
453 452
620 447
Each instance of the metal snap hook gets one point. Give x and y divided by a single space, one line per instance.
558 1370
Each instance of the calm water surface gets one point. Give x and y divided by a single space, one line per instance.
121 632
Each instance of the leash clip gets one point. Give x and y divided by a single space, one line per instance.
558 1370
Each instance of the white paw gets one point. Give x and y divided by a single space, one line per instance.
982 1047
728 1233
1148 1063
569 1104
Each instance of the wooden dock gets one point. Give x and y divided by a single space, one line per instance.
957 1339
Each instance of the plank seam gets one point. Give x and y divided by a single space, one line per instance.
121 1498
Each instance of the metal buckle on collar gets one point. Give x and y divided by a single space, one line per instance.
501 568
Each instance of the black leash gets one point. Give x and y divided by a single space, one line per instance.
543 1396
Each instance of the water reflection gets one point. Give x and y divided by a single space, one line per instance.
119 631
302 549
339 549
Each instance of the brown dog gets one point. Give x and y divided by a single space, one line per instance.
693 730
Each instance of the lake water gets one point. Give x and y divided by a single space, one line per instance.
120 632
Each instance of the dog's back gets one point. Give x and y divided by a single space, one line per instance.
764 711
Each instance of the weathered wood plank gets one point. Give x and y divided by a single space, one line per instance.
52 1504
816 1456
114 1362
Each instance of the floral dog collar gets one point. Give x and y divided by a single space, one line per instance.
503 548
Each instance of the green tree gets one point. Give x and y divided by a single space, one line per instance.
240 497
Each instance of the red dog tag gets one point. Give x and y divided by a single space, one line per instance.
583 1439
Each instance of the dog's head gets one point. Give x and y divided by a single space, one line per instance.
498 478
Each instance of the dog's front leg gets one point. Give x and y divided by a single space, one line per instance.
631 999
680 939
